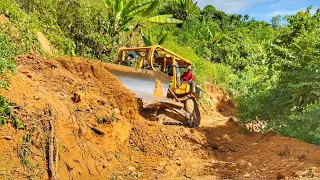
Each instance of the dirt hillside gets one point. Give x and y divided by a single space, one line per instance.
99 133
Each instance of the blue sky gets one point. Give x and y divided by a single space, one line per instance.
261 9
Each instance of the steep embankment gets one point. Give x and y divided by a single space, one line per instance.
100 135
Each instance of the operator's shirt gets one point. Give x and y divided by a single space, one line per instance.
188 76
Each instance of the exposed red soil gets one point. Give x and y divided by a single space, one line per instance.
3 19
252 155
158 90
217 101
44 43
100 134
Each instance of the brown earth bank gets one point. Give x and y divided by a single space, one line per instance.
99 133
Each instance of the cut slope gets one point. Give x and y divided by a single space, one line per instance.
43 89
217 101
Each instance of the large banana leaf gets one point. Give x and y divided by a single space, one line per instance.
119 10
139 8
152 6
128 7
116 6
107 3
146 40
164 19
130 4
124 12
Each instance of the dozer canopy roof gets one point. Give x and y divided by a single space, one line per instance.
154 54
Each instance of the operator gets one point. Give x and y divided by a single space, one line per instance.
188 75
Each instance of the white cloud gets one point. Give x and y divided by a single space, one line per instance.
231 6
285 12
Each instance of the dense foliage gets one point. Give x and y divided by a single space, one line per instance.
272 70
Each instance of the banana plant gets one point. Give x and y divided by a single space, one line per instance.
123 12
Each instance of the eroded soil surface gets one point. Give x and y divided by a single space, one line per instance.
99 133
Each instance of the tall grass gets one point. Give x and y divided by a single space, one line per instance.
205 70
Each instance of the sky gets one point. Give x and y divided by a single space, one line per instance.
261 9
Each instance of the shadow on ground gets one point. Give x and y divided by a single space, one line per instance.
241 154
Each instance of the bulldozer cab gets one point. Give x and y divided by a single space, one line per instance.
158 58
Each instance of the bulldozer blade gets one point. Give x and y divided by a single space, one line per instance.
145 84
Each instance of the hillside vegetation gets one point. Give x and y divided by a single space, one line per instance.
271 70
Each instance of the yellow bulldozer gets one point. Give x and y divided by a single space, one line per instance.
151 73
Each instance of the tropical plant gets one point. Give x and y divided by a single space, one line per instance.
296 54
185 9
290 105
122 14
160 39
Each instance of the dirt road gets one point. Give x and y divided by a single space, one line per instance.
99 133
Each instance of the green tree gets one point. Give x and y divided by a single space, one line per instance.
181 9
297 55
290 105
210 13
276 22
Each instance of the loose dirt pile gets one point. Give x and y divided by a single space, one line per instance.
217 101
158 89
99 133
42 90
3 19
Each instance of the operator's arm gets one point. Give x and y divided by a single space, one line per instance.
191 76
